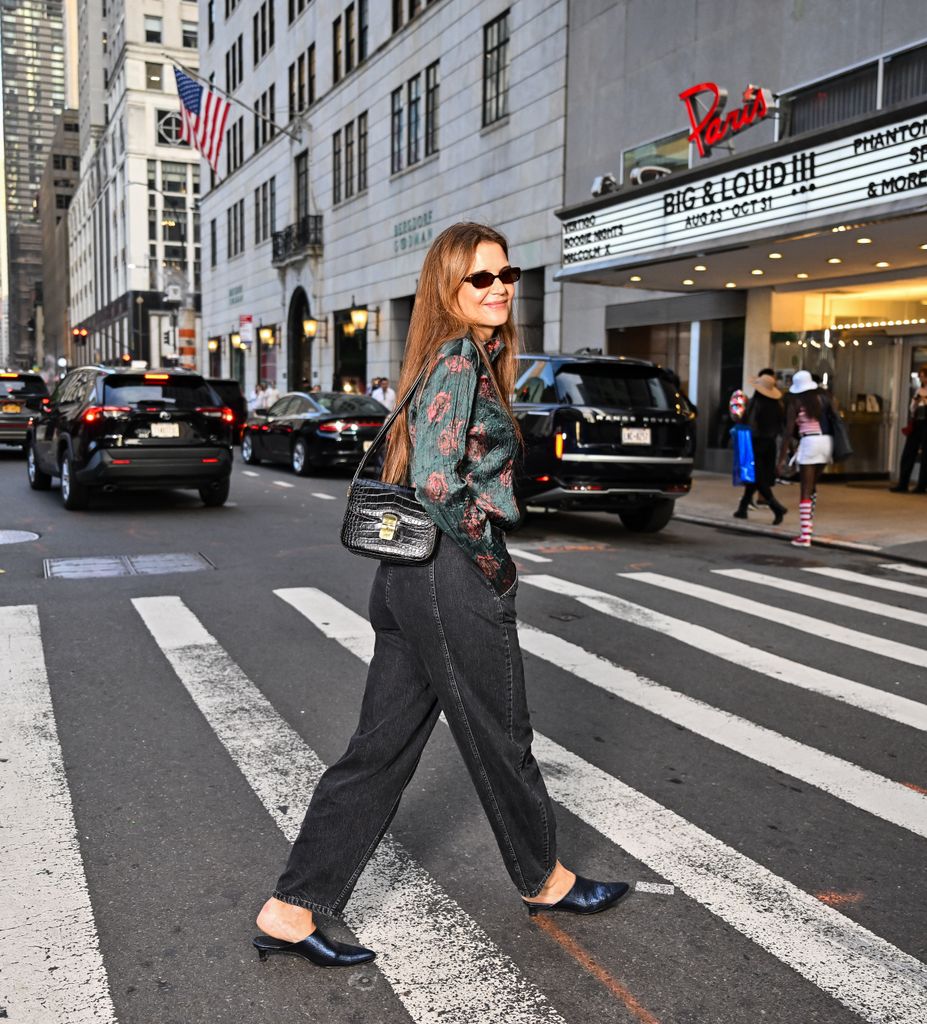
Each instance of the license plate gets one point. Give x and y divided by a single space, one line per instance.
165 430
635 435
11 408
367 445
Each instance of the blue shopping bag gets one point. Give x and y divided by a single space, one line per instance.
742 443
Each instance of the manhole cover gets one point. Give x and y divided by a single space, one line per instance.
17 536
105 566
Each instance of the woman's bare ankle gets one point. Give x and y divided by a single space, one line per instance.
558 884
285 921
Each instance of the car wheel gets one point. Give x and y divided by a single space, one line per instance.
38 480
216 494
299 457
247 451
649 518
74 495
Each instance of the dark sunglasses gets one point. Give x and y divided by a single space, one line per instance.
483 279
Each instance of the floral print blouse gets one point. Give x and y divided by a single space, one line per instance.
463 449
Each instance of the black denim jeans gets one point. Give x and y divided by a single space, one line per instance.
445 641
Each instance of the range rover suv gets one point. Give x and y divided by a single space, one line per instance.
107 428
603 433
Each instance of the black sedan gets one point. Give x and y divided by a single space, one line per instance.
22 396
311 431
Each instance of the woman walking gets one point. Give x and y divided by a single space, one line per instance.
445 631
808 417
765 418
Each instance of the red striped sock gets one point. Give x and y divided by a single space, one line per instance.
806 517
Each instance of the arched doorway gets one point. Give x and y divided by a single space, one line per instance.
299 347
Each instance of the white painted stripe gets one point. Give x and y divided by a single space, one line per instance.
912 570
786 617
250 472
894 586
872 977
528 556
323 495
863 789
282 483
442 966
655 887
801 589
46 919
744 656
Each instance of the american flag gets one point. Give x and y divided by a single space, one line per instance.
204 114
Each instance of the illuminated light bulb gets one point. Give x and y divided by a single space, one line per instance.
835 259
883 264
731 284
635 277
841 343
757 272
869 342
924 246
688 280
864 241
856 342
700 267
801 276
775 255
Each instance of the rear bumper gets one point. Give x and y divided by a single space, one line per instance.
601 498
13 433
134 468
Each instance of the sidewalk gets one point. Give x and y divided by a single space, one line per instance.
859 516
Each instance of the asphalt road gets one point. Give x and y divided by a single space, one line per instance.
750 757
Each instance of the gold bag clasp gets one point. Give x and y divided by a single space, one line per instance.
388 525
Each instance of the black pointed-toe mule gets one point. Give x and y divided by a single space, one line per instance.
317 948
586 897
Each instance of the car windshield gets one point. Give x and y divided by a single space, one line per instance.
617 386
22 386
341 404
175 392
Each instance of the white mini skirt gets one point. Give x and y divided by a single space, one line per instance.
815 450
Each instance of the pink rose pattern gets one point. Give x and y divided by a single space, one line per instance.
466 463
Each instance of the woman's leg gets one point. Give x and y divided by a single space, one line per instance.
808 477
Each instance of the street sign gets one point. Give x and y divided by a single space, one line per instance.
246 329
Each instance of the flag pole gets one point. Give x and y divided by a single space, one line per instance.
232 99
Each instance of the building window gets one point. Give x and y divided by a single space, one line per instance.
153 73
362 151
213 247
496 69
362 31
263 30
397 15
264 127
169 127
432 87
349 159
295 8
152 29
264 202
827 103
302 185
336 50
235 65
413 103
336 167
297 80
396 131
190 35
211 20
310 75
349 41
235 146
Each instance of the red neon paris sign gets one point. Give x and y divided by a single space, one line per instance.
704 104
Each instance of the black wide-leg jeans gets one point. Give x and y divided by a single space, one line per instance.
445 641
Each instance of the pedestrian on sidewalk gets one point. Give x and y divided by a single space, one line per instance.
384 394
807 419
765 417
916 441
446 638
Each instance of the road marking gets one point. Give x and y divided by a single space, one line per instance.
838 899
250 472
655 887
872 977
866 790
744 656
282 483
784 616
52 966
528 556
801 589
442 966
872 581
323 496
912 570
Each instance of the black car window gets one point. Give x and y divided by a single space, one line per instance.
536 382
228 390
70 387
173 392
22 385
282 406
342 404
614 386
301 407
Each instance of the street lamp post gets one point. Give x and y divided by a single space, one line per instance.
139 302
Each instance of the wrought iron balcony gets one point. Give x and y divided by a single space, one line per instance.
304 238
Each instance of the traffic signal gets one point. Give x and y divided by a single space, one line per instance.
79 334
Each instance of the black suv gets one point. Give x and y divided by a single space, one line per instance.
108 428
22 395
603 433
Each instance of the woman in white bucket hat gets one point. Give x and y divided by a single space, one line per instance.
808 418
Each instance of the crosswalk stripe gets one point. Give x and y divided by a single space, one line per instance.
912 570
746 657
802 589
863 789
52 968
528 556
872 977
250 472
786 617
323 495
442 966
281 483
871 581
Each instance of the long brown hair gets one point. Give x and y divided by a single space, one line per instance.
436 319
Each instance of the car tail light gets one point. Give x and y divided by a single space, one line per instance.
332 428
587 487
46 401
542 479
559 438
225 412
122 462
97 412
677 488
157 376
209 460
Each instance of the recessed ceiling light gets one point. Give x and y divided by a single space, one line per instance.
757 272
775 255
700 267
688 280
864 241
635 277
883 263
731 284
802 275
835 259
924 246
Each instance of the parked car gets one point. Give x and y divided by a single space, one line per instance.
603 433
22 395
229 390
309 431
109 428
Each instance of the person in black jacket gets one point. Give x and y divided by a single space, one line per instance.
765 417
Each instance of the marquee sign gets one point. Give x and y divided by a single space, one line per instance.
709 129
844 175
